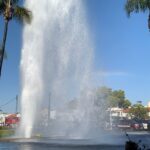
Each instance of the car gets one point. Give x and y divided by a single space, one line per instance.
136 125
129 124
124 124
139 124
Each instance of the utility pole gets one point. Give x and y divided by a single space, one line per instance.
16 104
110 117
49 109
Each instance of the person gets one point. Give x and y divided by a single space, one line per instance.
130 145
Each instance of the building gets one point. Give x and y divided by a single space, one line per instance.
119 113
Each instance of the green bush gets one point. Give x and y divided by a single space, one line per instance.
4 127
6 132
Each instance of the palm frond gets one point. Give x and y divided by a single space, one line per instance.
148 3
4 3
1 1
22 14
14 1
137 6
2 7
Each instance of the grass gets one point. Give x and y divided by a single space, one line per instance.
6 132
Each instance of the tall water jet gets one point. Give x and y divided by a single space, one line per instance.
56 64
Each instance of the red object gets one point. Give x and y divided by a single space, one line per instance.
12 119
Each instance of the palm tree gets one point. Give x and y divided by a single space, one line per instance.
11 10
138 6
5 54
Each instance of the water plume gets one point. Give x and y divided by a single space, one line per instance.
56 64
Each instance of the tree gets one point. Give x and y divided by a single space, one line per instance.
119 97
111 98
138 6
139 111
102 95
126 103
11 10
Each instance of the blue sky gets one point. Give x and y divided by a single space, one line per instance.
9 81
122 48
122 54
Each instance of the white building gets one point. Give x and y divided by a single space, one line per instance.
119 112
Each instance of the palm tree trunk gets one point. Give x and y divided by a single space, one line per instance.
3 45
149 20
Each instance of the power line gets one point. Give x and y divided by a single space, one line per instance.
9 101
